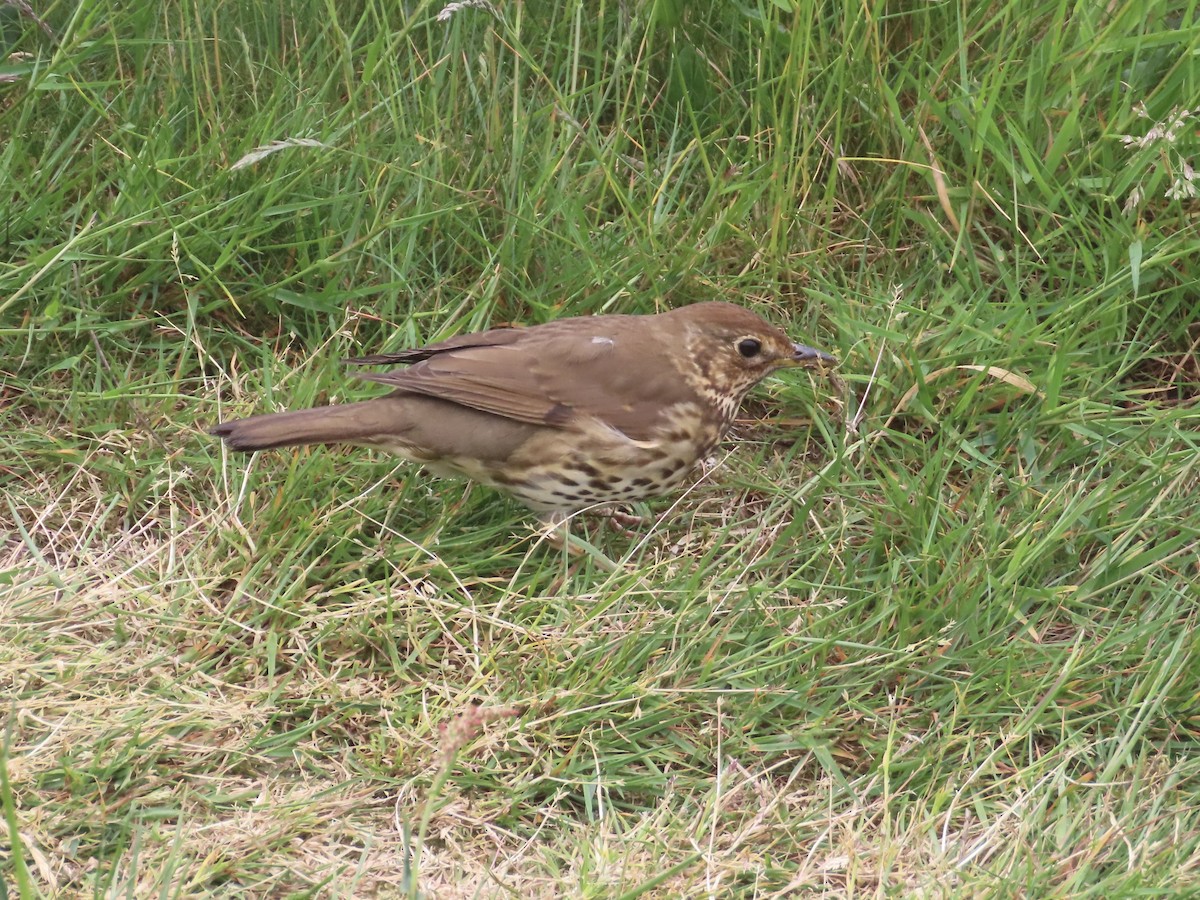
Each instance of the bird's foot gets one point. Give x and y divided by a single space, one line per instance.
622 522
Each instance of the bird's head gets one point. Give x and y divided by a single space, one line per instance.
733 348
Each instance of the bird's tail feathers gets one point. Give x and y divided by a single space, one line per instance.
347 423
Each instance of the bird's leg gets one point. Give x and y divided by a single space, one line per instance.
557 533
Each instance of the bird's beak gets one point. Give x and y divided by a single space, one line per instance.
812 358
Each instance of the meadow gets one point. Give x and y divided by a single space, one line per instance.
926 628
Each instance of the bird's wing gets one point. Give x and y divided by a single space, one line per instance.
496 337
554 375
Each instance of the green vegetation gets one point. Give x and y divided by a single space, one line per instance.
929 630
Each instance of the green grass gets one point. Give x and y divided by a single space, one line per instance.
929 629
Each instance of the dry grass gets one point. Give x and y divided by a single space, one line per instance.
214 750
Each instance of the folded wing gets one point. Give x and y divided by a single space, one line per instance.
554 375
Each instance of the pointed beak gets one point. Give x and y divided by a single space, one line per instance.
812 358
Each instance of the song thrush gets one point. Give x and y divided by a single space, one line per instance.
575 413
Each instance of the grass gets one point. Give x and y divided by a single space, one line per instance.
926 630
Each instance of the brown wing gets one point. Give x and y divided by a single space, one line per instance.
495 337
612 368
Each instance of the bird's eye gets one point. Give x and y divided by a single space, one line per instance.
749 347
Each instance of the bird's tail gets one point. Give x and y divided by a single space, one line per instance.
348 423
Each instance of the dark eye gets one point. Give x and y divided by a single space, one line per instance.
749 347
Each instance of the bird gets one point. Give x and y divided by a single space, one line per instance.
574 414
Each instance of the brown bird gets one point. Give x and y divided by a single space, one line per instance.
575 413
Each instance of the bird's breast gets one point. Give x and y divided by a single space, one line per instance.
594 463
